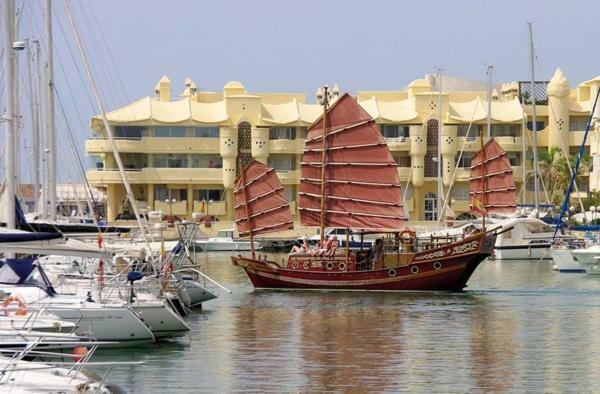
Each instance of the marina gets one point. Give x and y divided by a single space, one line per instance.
443 236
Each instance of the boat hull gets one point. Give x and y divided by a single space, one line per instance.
446 268
523 252
238 246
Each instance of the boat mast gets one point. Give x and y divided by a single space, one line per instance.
35 136
37 119
489 71
50 126
440 186
323 159
246 207
9 117
536 191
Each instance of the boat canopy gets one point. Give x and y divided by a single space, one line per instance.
499 194
362 188
24 272
267 208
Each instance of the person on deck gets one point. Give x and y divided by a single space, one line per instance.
324 247
377 251
335 244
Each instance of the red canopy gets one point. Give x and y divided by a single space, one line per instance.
500 191
268 208
362 188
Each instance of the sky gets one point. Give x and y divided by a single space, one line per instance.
296 46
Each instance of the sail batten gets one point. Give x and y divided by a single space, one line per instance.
492 183
267 207
361 184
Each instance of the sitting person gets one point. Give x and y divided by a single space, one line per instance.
298 248
335 244
323 247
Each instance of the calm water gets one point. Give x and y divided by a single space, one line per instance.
519 327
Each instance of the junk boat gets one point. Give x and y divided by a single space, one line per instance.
349 179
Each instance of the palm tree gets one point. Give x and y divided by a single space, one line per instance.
555 172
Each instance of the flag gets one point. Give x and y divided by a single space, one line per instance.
479 207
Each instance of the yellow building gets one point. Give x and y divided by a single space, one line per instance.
180 153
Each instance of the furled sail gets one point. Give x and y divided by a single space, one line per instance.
362 188
268 209
499 194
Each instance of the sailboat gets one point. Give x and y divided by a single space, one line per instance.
349 180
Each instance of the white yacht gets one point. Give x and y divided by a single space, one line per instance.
589 258
225 242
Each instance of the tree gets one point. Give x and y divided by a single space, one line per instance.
554 171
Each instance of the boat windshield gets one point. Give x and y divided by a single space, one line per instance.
225 234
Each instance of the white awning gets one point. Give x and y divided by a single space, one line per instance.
476 111
150 111
391 111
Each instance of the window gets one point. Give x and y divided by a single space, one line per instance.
282 133
95 162
539 125
474 130
132 132
282 162
134 161
206 132
537 228
578 123
290 194
505 130
430 206
206 161
207 195
161 193
170 131
465 160
170 161
460 191
302 132
393 130
514 158
403 159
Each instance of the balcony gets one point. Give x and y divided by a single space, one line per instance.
154 145
217 208
510 143
286 146
576 138
159 175
178 208
404 173
289 177
398 144
471 144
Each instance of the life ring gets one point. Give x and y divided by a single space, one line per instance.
391 272
22 311
295 264
342 266
414 269
306 265
437 265
329 266
407 241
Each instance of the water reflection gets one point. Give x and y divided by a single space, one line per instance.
519 327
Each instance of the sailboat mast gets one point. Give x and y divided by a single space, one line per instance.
483 197
35 132
9 142
489 71
37 118
323 160
50 126
246 206
440 186
536 190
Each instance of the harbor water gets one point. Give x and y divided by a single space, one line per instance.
519 326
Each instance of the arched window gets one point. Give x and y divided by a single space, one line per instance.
430 207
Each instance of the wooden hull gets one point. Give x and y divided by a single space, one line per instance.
445 268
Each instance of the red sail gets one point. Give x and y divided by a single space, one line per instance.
268 207
362 188
500 190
